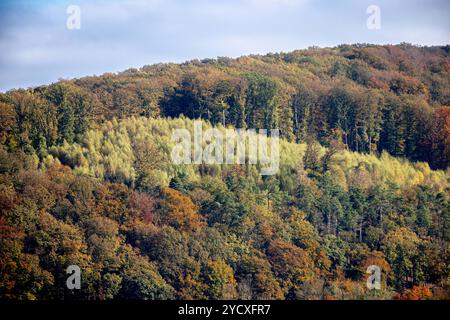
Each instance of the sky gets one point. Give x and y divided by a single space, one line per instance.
37 47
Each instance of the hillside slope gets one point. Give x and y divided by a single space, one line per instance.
141 227
377 98
86 179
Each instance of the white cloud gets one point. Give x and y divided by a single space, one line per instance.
36 47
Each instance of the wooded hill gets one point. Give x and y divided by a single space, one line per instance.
391 98
86 178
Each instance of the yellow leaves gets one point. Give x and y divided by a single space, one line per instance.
305 233
404 237
222 283
363 170
302 228
7 122
122 149
403 243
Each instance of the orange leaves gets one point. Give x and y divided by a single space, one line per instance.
9 235
179 211
422 292
377 258
307 235
290 263
111 201
8 198
263 283
408 85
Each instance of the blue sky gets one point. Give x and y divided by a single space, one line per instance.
37 48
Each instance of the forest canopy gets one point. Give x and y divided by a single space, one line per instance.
86 179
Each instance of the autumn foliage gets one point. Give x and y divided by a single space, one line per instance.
86 179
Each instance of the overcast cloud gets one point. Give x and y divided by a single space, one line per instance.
37 48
